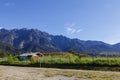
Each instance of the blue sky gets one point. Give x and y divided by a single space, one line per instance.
83 19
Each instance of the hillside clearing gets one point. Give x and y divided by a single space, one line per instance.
29 73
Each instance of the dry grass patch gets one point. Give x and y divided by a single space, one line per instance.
0 74
83 74
28 73
62 73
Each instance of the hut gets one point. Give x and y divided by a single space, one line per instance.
28 56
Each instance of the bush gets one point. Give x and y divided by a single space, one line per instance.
10 59
33 61
16 60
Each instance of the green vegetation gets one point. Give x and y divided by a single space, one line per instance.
2 54
68 58
65 59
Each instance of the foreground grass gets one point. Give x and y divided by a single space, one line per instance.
27 73
0 73
80 75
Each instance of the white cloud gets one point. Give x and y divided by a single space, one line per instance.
1 27
113 41
79 30
72 30
9 4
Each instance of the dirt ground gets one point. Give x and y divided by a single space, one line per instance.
29 73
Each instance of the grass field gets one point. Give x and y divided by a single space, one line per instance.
29 73
66 60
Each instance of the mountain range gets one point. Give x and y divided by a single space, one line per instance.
32 40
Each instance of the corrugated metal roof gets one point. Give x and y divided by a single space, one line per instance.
29 54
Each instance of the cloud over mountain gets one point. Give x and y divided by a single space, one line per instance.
71 29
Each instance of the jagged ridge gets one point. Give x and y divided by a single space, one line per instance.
36 40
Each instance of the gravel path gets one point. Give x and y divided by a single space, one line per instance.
29 73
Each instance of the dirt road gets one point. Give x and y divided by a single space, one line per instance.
29 73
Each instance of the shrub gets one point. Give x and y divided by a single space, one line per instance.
32 61
10 59
16 60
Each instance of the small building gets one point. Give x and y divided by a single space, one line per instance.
28 56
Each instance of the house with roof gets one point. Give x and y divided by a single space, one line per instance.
28 56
